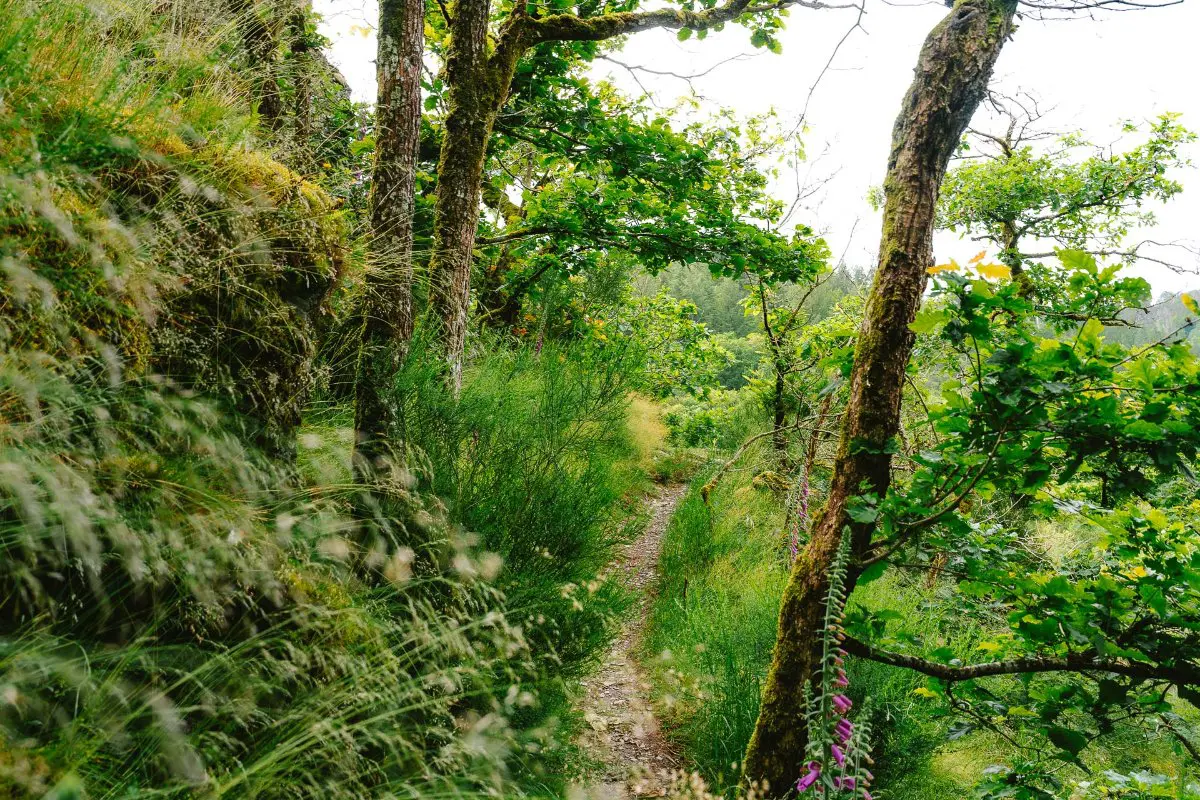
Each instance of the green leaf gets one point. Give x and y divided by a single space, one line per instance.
1066 739
1141 429
861 512
1078 260
928 320
872 572
684 34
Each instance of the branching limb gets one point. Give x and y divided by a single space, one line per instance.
570 28
1181 673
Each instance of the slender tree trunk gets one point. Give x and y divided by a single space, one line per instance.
262 46
779 365
951 77
388 304
302 81
779 408
478 86
469 121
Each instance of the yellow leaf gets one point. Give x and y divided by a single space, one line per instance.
1190 303
951 267
987 647
921 691
994 272
978 257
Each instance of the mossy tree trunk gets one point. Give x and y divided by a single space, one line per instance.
951 77
388 301
478 76
478 83
303 66
254 20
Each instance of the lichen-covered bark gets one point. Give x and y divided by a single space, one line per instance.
478 84
262 47
303 65
950 79
478 79
388 302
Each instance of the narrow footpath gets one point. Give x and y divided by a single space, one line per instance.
623 733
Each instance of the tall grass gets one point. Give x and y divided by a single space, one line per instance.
713 626
534 459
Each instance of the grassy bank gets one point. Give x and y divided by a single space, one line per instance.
713 625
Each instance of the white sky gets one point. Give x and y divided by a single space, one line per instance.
1093 72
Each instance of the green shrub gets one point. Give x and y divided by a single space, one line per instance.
532 459
528 458
713 626
177 617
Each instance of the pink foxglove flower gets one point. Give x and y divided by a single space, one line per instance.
805 782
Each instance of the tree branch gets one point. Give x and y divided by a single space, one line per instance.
570 28
1183 673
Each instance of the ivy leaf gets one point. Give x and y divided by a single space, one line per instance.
684 34
1190 303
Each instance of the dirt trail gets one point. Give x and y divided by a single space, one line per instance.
623 733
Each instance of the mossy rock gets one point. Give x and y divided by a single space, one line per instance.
772 481
256 262
211 266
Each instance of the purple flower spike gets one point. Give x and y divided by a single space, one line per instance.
806 781
867 795
841 680
841 703
843 729
838 755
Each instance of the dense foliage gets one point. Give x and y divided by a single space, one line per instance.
212 584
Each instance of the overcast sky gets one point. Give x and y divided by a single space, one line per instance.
1094 73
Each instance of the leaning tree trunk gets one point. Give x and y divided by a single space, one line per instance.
388 304
951 78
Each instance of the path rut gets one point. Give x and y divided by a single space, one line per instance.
623 733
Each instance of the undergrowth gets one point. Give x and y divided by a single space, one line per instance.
713 626
186 609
